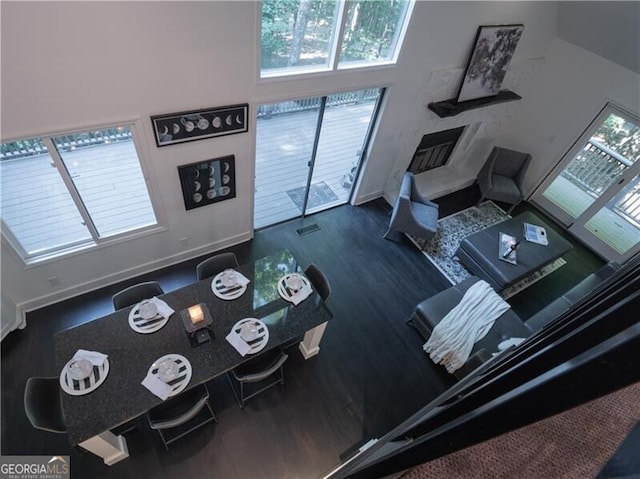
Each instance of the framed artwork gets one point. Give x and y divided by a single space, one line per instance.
489 61
199 124
208 181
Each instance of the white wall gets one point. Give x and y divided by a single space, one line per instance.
570 91
609 29
78 64
432 66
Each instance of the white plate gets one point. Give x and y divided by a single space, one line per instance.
223 292
84 386
262 336
145 326
286 292
184 376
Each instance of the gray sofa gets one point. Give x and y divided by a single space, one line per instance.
431 311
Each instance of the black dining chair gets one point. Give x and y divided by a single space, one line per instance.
182 414
136 293
321 284
319 281
263 372
42 404
212 266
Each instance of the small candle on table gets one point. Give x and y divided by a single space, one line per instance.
196 314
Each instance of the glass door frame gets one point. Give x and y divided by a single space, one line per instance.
311 163
576 225
579 230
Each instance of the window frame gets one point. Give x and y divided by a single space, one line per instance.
95 242
335 50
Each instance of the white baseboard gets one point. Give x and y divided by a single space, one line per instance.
19 321
149 267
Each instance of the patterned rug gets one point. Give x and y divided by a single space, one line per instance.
441 249
319 194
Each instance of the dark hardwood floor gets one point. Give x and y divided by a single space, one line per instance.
370 375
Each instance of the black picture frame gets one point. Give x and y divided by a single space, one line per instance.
489 61
207 182
175 128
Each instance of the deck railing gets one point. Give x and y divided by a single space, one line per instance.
596 168
34 146
266 111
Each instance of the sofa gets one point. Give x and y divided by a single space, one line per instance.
430 312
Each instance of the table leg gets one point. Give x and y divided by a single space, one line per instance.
310 345
108 446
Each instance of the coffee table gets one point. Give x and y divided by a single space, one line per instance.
479 252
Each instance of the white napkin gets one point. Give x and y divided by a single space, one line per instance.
96 358
241 279
157 386
163 308
300 295
237 342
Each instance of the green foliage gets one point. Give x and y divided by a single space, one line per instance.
621 136
277 21
371 29
369 33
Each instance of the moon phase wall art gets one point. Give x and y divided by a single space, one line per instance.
208 181
199 124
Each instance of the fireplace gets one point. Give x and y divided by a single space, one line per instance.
434 150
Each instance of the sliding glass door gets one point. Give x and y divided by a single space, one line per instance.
308 152
595 192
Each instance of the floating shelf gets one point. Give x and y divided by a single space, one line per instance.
450 107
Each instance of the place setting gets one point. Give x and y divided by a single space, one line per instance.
149 315
294 288
229 284
168 376
84 373
248 336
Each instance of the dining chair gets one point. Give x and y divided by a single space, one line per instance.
319 281
321 284
42 404
257 371
501 177
212 266
182 414
136 293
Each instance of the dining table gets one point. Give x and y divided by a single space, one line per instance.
122 397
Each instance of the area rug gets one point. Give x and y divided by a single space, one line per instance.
574 444
441 249
319 194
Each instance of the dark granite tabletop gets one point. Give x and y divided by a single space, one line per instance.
122 397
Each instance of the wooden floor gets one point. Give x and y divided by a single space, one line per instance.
370 375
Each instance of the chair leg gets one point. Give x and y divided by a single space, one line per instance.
386 235
511 208
480 200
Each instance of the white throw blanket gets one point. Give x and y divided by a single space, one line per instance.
453 338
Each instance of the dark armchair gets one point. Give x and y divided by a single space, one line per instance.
412 212
502 176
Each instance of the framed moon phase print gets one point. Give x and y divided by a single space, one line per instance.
208 181
199 124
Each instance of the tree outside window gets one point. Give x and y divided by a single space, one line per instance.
302 35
